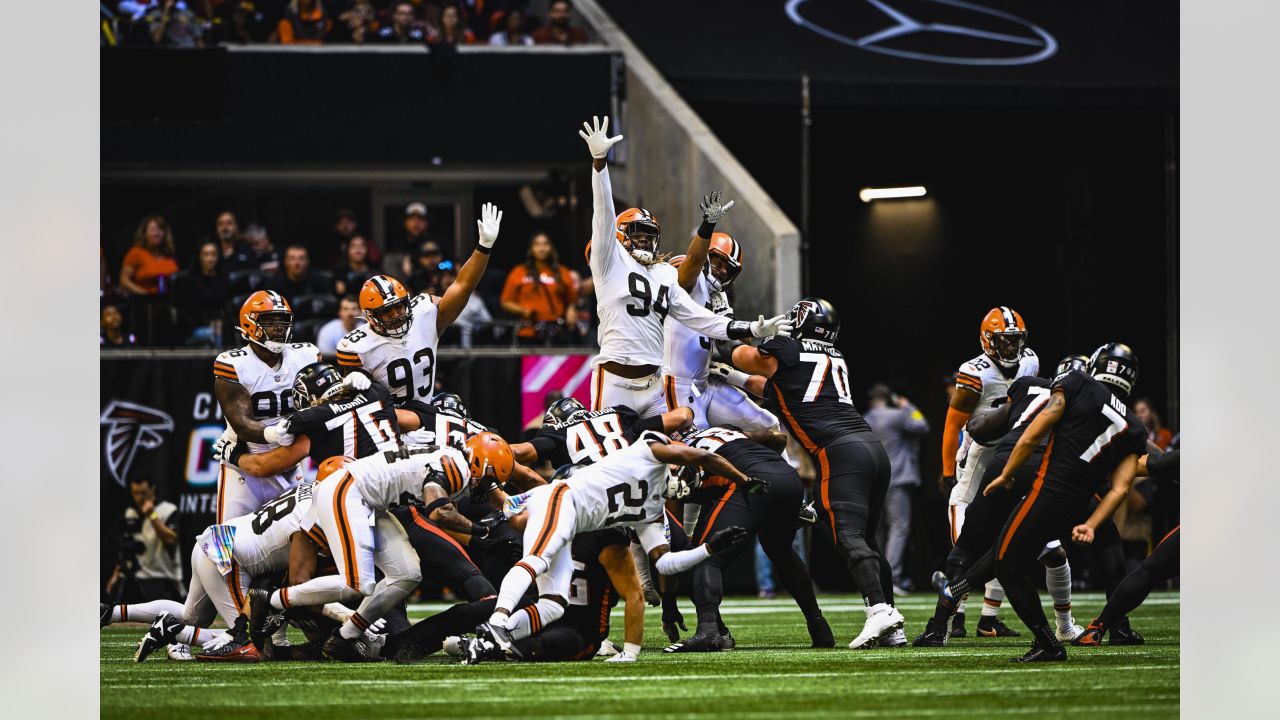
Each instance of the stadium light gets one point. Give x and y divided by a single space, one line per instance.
869 194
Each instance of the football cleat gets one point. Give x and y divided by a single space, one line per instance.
897 638
808 515
1124 636
990 627
726 640
235 646
935 634
345 650
939 580
501 637
820 633
452 646
882 620
178 651
161 633
1091 637
104 615
607 649
1070 633
702 641
957 626
476 649
1038 653
264 620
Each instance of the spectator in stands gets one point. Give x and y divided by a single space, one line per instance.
112 329
354 25
262 254
542 292
401 258
474 315
233 250
351 274
172 24
513 30
241 22
200 294
346 226
298 278
404 28
451 31
557 31
149 263
425 276
1156 433
900 427
304 23
348 319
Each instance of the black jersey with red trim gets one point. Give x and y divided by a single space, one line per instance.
811 392
741 451
591 594
591 436
1027 396
1095 433
356 428
441 428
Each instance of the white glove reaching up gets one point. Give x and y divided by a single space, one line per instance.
278 434
777 325
357 381
597 137
224 445
729 374
490 219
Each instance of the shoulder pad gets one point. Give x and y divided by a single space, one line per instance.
226 364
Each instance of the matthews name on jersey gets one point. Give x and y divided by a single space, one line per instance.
270 388
359 427
590 436
810 391
1095 433
406 366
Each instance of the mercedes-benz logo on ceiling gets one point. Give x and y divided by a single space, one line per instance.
963 34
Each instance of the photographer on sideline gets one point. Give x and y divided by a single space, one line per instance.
149 566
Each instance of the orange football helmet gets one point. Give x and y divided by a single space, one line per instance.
640 233
486 451
267 320
729 252
385 303
1003 336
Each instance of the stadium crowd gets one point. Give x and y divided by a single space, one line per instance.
207 23
151 299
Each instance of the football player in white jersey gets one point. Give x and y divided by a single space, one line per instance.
628 488
636 291
980 383
398 345
687 355
254 386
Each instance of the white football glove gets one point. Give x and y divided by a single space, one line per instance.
357 381
776 325
597 137
490 219
624 656
224 445
278 434
729 374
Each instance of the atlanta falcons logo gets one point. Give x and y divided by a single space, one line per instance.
129 427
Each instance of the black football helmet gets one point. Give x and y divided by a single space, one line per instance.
450 404
1116 365
1069 363
814 319
563 411
314 384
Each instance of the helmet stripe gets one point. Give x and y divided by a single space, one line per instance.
1010 323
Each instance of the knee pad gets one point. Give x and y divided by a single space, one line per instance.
551 607
1053 557
958 560
477 587
535 563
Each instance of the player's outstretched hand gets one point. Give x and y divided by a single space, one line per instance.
711 207
487 225
1001 481
1082 534
727 538
673 622
597 137
776 325
756 485
357 381
278 434
224 445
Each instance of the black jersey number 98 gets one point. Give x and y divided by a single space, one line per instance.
642 290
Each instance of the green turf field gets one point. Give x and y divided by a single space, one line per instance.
771 674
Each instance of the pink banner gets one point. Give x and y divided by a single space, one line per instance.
541 374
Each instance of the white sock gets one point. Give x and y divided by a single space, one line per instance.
992 599
1058 580
192 635
316 591
960 605
531 619
514 583
145 612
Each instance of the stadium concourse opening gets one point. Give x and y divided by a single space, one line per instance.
557 332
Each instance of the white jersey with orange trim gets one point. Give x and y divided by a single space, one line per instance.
983 376
270 388
261 540
385 480
624 488
405 366
633 300
687 354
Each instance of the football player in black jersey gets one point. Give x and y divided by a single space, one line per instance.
808 387
573 435
1094 439
770 515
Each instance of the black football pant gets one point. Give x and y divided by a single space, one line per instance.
427 636
443 559
853 479
1161 565
772 516
558 642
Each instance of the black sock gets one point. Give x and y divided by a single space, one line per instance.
1128 595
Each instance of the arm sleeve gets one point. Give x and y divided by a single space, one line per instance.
696 317
674 563
604 244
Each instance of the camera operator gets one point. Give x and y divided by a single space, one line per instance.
148 566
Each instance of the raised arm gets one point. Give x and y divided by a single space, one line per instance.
455 298
704 322
604 245
696 256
